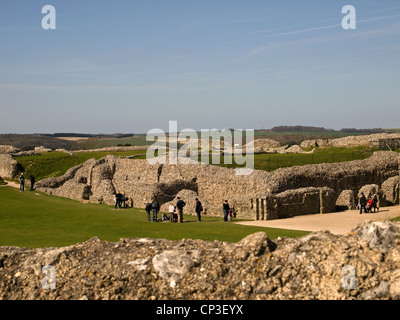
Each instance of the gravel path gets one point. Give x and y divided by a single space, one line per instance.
336 222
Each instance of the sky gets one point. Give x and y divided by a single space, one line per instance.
131 66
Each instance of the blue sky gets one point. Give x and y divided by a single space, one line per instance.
131 66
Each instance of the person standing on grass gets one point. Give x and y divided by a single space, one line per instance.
21 182
118 200
225 209
199 209
32 182
179 205
148 210
171 210
154 209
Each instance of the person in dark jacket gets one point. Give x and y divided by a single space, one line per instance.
179 205
154 209
225 209
363 203
118 200
22 182
199 209
374 198
148 210
33 180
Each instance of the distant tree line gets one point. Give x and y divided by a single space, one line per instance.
362 131
300 129
321 129
89 135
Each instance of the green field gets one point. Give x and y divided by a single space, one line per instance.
54 164
94 143
270 162
33 219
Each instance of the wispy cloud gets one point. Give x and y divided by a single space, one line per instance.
282 42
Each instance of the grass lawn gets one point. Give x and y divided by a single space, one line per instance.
33 219
270 162
53 164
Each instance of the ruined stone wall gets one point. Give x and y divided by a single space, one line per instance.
337 176
286 204
349 141
9 167
261 195
255 268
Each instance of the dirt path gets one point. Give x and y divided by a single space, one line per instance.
336 222
14 185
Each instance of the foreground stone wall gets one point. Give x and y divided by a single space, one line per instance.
316 266
282 193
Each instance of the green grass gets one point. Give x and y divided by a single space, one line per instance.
33 219
270 162
94 143
57 163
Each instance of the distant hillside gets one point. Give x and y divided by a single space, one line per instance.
23 141
296 134
321 129
59 141
300 129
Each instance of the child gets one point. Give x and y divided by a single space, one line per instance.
230 214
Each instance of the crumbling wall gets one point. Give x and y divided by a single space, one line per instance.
261 195
391 190
313 267
9 168
286 204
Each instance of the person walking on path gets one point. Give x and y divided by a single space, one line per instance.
179 205
171 210
199 209
22 182
154 208
225 209
148 210
363 203
374 198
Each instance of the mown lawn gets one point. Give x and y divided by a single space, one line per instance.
270 162
53 164
33 219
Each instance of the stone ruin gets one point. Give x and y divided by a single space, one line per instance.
349 141
361 265
286 192
9 167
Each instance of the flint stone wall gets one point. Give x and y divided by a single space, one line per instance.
9 168
286 204
261 195
349 141
255 268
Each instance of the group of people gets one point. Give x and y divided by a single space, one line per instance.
120 200
368 204
176 211
22 182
